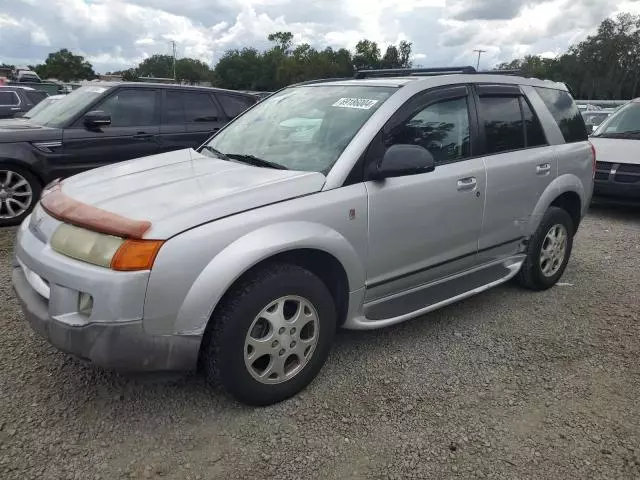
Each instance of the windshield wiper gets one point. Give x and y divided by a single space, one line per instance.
217 153
255 161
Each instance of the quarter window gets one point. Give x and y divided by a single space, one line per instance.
565 112
234 105
442 128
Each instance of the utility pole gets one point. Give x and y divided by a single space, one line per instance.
479 52
173 46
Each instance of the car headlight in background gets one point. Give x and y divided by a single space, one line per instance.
104 250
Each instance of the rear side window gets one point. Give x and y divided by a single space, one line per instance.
502 123
200 107
36 96
173 110
234 105
533 129
9 98
565 112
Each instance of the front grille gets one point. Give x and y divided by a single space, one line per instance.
627 173
602 175
604 166
629 168
627 178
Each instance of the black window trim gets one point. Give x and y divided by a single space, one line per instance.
514 92
523 98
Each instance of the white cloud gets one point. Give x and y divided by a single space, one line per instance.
115 34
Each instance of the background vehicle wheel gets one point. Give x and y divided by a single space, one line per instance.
271 335
548 251
19 192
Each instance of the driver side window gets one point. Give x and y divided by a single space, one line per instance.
131 107
442 128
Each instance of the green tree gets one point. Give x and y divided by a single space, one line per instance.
64 65
160 66
192 71
603 66
130 75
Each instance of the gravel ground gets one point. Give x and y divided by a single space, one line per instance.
509 384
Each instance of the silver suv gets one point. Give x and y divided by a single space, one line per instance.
357 203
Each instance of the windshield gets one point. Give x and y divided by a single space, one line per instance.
302 128
625 121
41 106
57 114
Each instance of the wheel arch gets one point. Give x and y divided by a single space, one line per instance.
566 192
23 165
315 247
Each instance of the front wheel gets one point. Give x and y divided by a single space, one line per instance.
548 251
19 192
271 335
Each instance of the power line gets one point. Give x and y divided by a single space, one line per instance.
480 52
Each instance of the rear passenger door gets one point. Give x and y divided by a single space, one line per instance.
519 162
189 117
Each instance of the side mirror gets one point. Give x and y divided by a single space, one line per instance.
401 160
97 118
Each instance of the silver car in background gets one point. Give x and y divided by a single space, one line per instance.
398 195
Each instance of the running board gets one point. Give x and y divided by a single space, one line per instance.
510 268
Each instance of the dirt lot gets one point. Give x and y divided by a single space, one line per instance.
509 384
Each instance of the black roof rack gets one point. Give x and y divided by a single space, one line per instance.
322 80
409 72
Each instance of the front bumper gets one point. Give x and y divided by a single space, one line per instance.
113 336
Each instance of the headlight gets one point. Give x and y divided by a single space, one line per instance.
85 245
104 250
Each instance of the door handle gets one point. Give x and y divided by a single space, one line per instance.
468 183
143 136
543 168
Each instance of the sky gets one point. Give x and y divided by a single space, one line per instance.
118 34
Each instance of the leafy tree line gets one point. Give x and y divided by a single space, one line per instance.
605 66
282 64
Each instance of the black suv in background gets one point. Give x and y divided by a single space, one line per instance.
104 123
15 101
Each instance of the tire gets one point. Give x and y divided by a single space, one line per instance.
15 184
532 274
227 346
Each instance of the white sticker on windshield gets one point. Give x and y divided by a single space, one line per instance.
360 103
96 89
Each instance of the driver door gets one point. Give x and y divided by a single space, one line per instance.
426 226
133 132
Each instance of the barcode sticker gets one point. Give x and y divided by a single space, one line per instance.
359 103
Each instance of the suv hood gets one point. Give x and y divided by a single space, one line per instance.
178 190
617 150
13 130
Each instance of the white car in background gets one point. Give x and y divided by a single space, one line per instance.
617 144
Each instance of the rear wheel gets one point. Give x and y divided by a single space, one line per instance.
548 251
271 335
19 192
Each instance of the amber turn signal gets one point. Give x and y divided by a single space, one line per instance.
136 255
